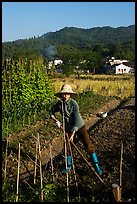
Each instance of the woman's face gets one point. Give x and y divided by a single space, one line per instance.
65 97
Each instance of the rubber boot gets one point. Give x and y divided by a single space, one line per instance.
94 161
69 160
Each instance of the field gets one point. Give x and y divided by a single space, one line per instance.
106 85
114 94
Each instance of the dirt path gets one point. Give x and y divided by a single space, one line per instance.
106 108
56 142
107 135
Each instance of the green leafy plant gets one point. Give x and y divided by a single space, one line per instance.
26 92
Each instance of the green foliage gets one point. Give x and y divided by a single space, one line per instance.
123 50
68 70
50 192
26 92
89 101
81 37
8 191
75 44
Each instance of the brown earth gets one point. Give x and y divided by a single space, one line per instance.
107 134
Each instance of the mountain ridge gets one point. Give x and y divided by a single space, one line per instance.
73 38
92 35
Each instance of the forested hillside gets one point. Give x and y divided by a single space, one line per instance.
79 37
71 42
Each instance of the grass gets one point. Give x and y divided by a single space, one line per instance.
122 86
90 101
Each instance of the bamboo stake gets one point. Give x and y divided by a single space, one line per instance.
120 183
32 160
87 162
117 189
41 181
34 137
6 158
29 186
35 164
65 146
52 162
31 141
17 193
67 173
116 192
73 167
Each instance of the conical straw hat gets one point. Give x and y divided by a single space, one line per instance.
65 89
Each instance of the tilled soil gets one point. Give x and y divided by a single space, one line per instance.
108 135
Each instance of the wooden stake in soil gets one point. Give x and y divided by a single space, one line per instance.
41 181
120 183
116 192
65 146
117 189
17 193
73 166
87 162
6 157
35 166
52 162
30 186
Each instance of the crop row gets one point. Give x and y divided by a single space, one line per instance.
26 92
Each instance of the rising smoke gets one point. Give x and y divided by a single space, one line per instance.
51 52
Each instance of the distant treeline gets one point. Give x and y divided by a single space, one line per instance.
74 45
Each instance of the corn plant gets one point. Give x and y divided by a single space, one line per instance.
26 92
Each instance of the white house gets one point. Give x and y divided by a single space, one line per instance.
121 69
57 61
118 66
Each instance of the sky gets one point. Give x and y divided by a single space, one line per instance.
23 20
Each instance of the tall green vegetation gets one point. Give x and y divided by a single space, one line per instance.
26 92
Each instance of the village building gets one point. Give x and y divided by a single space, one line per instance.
116 66
56 63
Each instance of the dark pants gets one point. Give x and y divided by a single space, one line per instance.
83 134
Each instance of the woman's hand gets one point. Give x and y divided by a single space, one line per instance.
58 124
72 136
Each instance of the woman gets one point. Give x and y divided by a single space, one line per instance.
73 124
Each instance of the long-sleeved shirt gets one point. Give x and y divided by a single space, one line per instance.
72 117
